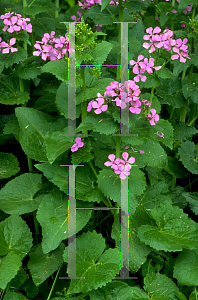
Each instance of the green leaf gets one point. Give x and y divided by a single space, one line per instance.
56 145
83 57
151 81
101 52
182 131
7 60
56 174
14 296
192 200
9 265
62 99
110 183
189 90
173 232
91 92
27 70
138 251
83 154
118 290
165 73
154 155
9 165
42 265
53 216
99 17
107 126
104 4
38 7
161 287
15 236
97 267
185 268
59 68
175 168
17 196
188 156
34 125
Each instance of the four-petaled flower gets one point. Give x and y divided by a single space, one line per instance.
9 46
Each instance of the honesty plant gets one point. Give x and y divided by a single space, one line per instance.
41 164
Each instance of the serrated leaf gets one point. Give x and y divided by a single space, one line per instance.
13 58
110 183
17 196
53 216
91 92
185 268
59 68
9 165
173 232
101 52
15 236
161 287
83 154
27 71
187 152
182 131
99 17
97 268
104 4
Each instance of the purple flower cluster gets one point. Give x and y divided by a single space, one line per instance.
165 40
120 166
15 22
131 95
51 47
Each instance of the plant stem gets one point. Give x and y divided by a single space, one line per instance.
118 146
57 6
93 169
53 285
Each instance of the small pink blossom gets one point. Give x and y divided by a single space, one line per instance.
78 144
9 46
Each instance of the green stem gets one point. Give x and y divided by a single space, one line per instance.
118 146
24 43
53 285
111 14
193 120
31 3
57 6
156 11
93 169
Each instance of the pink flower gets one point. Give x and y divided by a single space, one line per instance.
134 109
120 166
99 105
78 144
154 118
160 134
152 38
9 46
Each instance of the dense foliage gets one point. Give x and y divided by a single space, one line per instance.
142 76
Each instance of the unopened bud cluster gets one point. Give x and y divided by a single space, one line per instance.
84 37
